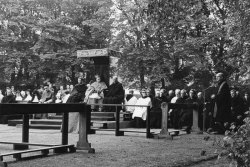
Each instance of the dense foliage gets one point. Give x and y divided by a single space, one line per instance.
235 146
183 42
39 39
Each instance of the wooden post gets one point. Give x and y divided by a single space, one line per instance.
65 127
117 124
25 137
204 110
148 134
88 114
164 134
195 127
83 143
25 134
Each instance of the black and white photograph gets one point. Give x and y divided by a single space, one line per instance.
124 83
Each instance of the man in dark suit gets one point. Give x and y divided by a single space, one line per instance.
222 108
114 95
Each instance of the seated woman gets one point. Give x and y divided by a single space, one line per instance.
36 96
65 97
28 97
89 91
58 98
97 94
18 96
140 113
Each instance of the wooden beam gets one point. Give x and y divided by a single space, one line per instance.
15 109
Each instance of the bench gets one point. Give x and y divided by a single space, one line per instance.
26 109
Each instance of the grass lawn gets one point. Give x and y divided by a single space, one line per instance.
133 149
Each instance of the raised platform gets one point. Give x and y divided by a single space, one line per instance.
103 120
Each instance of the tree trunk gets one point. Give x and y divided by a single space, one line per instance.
142 73
73 79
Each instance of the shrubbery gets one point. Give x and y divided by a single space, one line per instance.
236 144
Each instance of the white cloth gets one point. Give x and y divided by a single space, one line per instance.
35 99
141 112
1 98
19 98
58 101
131 101
28 98
173 100
65 98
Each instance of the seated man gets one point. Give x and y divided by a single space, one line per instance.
115 95
130 100
9 98
47 97
140 113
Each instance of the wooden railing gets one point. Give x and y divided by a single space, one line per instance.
165 109
119 132
26 109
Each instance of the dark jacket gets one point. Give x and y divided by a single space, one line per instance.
9 99
223 102
115 94
78 94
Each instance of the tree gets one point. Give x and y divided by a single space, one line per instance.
42 37
185 41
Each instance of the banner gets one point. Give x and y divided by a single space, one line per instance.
92 53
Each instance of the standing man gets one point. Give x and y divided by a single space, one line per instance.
222 108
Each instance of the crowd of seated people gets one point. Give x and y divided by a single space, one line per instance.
98 93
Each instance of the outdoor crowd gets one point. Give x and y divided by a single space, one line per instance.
225 107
